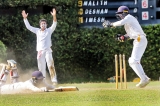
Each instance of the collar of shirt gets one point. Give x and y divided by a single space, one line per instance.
43 30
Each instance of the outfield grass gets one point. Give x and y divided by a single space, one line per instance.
89 94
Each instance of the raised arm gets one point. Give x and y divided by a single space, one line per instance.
28 26
53 13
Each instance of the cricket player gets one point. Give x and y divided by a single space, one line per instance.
44 51
134 31
35 84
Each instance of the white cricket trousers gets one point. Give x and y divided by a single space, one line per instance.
43 57
137 53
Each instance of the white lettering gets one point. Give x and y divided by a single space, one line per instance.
102 19
90 3
86 20
105 3
99 19
101 11
94 11
94 19
93 3
101 2
98 11
90 11
85 3
106 11
97 3
90 19
86 11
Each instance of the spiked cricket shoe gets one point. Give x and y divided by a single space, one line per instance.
143 83
54 81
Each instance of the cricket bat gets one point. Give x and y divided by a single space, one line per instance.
67 88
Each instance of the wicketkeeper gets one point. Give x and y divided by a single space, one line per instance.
134 31
44 51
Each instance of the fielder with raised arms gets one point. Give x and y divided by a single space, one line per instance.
44 51
134 31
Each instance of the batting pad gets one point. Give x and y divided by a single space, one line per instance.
67 88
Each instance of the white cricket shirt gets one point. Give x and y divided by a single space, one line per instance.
131 25
43 37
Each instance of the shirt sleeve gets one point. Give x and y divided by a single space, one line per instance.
53 27
121 22
33 88
29 27
48 86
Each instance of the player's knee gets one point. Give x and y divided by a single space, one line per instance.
132 61
50 64
51 67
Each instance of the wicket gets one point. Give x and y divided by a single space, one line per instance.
122 69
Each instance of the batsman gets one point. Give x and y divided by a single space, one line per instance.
135 32
44 51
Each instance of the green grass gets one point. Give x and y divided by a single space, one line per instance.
89 94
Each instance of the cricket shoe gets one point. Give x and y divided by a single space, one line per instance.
143 83
54 82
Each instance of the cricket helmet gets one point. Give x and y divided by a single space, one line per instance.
122 12
37 75
123 9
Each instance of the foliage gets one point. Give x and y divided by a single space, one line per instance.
3 49
80 54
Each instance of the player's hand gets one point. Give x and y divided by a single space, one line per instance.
121 37
53 12
50 87
106 24
24 15
44 89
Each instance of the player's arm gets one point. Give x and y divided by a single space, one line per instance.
31 87
47 86
118 23
28 26
107 23
53 13
122 22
